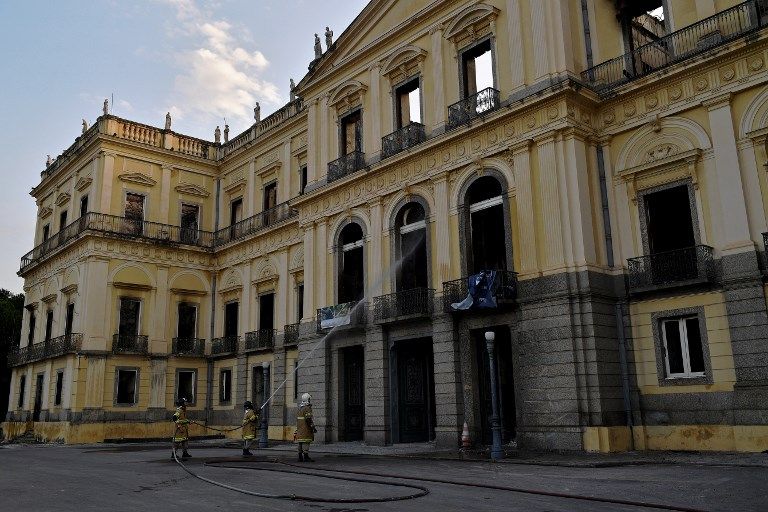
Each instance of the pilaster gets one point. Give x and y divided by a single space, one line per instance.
310 293
521 157
442 231
515 42
438 110
549 203
375 262
107 179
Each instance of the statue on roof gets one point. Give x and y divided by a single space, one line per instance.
257 112
318 48
293 90
168 121
85 126
217 135
226 133
48 161
328 37
105 108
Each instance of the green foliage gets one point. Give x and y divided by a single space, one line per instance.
11 311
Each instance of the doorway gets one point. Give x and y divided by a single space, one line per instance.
415 391
353 389
38 397
504 380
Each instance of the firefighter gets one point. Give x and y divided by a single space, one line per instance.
181 433
250 421
305 427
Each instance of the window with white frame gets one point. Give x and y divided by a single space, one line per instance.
225 386
684 354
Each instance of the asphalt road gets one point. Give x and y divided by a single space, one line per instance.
118 477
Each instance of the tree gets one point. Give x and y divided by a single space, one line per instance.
11 312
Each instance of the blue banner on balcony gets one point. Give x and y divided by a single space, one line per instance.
334 316
481 291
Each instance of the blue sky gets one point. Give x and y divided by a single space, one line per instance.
203 60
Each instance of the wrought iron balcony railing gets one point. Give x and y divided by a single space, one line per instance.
194 347
291 334
121 227
258 222
54 347
346 165
473 106
347 314
263 339
488 289
404 138
417 302
224 345
130 344
692 265
693 40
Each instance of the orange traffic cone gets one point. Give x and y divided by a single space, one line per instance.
465 443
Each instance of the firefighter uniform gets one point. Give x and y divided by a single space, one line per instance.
250 422
181 431
305 427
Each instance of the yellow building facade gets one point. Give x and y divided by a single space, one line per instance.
584 179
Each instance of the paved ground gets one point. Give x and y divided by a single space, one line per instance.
142 477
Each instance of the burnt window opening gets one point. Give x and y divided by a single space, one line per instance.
22 390
683 347
642 22
236 211
351 265
190 222
126 387
46 232
69 319
302 179
408 106
225 386
63 220
134 213
477 68
267 311
59 387
669 222
270 196
185 385
32 322
411 226
351 133
187 321
486 226
48 325
231 311
300 302
83 205
130 310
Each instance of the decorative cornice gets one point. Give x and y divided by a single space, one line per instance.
132 286
44 212
191 190
138 178
62 199
83 183
67 290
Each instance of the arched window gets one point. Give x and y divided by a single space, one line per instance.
411 248
486 228
351 264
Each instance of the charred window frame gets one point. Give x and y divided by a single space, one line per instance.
643 209
129 316
22 391
189 221
32 326
126 386
186 385
351 132
63 219
267 310
235 211
302 179
59 388
225 386
46 232
661 341
134 212
186 325
231 319
408 101
83 205
468 61
48 325
350 254
70 318
299 302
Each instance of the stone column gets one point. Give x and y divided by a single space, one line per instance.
515 42
375 265
107 178
549 202
580 211
310 293
525 207
377 431
442 231
437 113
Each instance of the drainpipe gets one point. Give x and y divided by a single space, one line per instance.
604 203
624 373
587 33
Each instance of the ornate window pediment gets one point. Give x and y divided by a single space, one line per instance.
191 190
44 212
471 24
403 63
236 186
62 199
138 179
347 95
664 164
83 183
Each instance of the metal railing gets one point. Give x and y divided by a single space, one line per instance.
258 222
346 165
705 35
130 344
54 347
414 302
122 227
188 347
504 291
691 265
473 106
263 339
225 345
346 314
291 334
404 138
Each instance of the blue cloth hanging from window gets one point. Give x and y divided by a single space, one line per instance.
481 291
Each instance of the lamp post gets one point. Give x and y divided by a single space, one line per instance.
496 452
264 437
